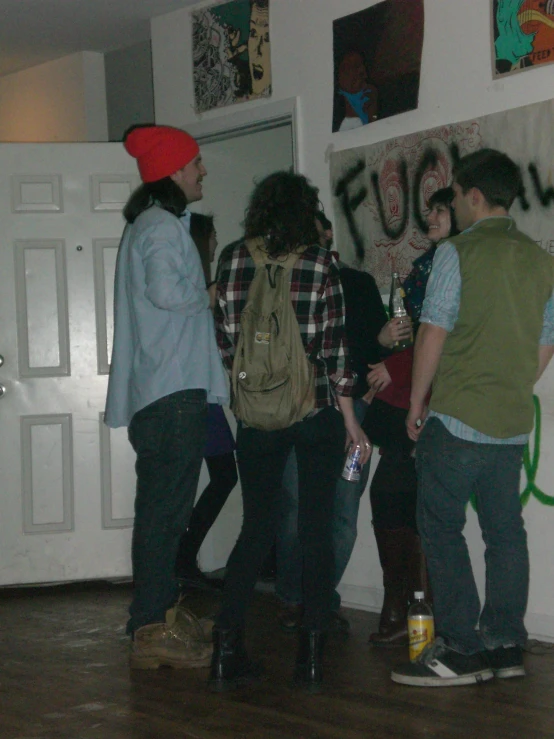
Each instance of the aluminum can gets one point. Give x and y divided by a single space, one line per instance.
352 466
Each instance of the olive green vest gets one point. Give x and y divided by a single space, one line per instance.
489 361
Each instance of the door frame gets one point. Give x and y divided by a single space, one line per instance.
261 118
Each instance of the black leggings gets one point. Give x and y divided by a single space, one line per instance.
393 489
223 478
262 456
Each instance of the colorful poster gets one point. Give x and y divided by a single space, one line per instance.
377 61
523 35
381 190
231 53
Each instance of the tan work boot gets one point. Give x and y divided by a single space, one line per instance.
169 644
194 627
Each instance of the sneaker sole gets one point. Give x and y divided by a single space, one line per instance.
506 672
443 682
153 663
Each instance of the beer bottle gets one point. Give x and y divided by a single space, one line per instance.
398 310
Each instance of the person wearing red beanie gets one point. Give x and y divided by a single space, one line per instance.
165 368
160 150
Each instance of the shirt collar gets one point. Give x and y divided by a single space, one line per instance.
505 221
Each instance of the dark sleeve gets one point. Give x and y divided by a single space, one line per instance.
365 317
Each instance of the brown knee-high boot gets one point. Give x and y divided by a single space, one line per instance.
395 547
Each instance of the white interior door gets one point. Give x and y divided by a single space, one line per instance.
67 482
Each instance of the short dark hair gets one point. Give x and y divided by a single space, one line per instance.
201 228
493 173
282 209
445 196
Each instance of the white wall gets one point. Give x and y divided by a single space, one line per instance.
456 80
63 100
456 84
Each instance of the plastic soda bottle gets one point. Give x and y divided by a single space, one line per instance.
398 310
421 625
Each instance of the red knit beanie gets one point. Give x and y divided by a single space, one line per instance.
160 150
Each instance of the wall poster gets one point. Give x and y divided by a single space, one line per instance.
231 53
377 61
523 35
381 190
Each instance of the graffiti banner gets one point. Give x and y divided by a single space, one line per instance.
377 61
231 53
381 190
523 35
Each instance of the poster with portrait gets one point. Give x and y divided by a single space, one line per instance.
231 53
523 35
377 62
381 191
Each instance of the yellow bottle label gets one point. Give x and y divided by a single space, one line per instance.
421 630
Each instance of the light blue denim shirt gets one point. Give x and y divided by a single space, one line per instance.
164 337
440 308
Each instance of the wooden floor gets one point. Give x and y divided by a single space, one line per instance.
64 675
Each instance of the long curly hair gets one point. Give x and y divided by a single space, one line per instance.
282 209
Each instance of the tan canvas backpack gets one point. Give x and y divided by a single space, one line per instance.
272 379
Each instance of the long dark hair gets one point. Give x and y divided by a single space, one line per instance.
282 209
164 193
201 228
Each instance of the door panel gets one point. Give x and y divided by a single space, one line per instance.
67 481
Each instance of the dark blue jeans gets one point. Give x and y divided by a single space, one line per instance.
168 437
449 471
288 586
262 455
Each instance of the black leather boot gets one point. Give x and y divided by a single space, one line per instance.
308 673
230 667
395 548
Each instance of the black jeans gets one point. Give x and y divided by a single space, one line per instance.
262 455
393 489
222 469
168 437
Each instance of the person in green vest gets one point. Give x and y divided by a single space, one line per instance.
486 336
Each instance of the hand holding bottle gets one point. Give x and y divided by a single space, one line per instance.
394 331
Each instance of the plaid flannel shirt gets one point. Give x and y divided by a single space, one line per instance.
318 302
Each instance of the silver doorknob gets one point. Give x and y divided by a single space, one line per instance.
2 391
1 360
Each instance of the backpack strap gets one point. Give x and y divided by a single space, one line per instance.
261 257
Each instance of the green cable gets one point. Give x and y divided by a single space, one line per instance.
531 465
